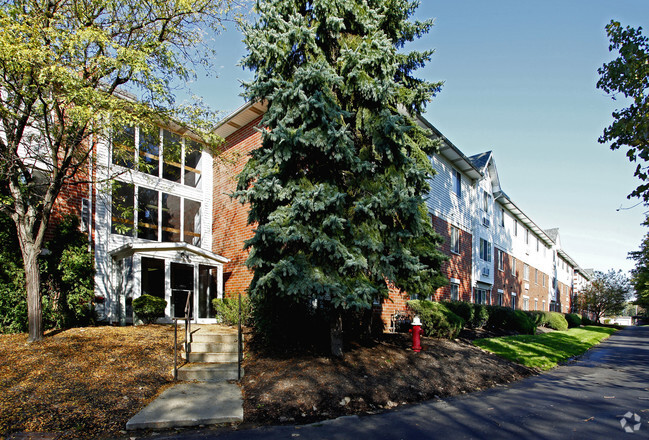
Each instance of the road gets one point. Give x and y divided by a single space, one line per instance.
586 399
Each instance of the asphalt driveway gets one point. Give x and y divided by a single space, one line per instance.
586 399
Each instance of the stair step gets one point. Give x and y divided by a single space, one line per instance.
212 357
214 338
209 372
213 347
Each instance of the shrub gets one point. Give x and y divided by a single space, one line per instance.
504 318
462 309
557 321
540 319
585 320
573 320
227 310
148 308
438 321
480 316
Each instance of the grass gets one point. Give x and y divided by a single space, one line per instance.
545 351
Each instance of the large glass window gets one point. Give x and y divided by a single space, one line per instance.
124 147
170 217
150 151
147 214
153 277
172 156
192 222
455 240
123 198
193 158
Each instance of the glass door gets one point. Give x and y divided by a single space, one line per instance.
182 284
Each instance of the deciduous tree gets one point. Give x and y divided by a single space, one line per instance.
336 189
62 66
607 294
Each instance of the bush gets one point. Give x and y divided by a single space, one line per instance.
557 321
480 316
585 320
148 308
573 320
437 320
462 309
227 310
505 318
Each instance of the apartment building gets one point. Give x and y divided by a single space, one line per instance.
162 221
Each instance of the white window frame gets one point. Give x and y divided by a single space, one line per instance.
455 240
456 178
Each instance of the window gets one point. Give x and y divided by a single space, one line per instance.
514 301
159 153
192 222
526 272
527 236
455 292
485 250
486 201
536 304
515 228
543 279
457 183
543 306
481 296
147 214
123 199
526 303
501 260
502 217
170 217
513 266
537 244
455 240
499 298
536 276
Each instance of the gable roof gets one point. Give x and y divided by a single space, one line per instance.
481 160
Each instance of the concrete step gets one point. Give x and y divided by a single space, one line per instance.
213 347
214 338
209 372
213 357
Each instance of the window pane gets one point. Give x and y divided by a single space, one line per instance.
172 155
192 223
150 151
147 214
123 199
124 147
153 277
193 159
170 217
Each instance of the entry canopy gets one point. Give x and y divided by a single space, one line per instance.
156 247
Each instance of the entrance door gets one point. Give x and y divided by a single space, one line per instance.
182 284
206 292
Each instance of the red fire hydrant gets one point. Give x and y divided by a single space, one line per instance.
417 332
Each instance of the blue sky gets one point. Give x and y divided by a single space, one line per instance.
520 80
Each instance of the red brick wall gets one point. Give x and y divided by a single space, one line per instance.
459 265
508 282
230 218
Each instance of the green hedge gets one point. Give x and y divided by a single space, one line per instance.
573 320
505 318
227 310
474 315
148 308
553 320
437 320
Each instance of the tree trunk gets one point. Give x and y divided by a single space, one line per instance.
336 333
34 303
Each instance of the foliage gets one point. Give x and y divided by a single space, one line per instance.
640 273
606 294
227 310
148 308
64 69
336 189
553 320
437 320
573 320
13 304
545 351
475 315
505 318
629 75
585 320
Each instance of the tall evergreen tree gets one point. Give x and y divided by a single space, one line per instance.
336 189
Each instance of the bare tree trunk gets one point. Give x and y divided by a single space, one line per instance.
336 333
34 303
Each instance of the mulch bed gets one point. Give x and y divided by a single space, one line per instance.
88 382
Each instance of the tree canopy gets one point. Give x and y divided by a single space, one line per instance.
64 66
607 294
628 75
336 189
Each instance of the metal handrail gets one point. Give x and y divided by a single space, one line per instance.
188 328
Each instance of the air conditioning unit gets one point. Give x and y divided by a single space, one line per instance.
485 271
486 222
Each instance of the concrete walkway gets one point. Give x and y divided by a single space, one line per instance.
597 397
192 404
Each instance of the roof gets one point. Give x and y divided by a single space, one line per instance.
553 233
481 160
240 117
132 248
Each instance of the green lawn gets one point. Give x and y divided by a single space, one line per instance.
547 350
